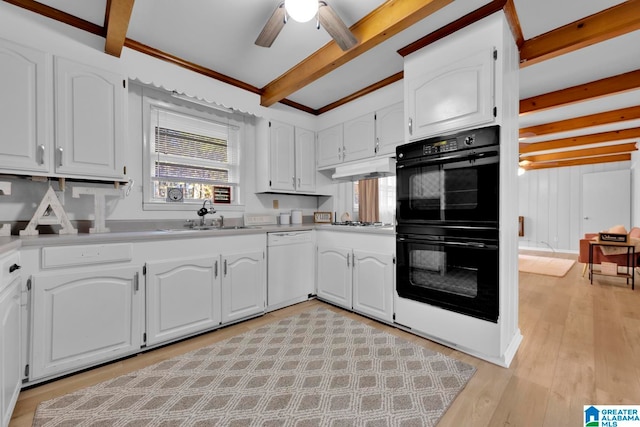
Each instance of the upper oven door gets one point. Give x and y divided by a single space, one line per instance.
457 188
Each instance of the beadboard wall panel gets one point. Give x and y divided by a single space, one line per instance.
551 202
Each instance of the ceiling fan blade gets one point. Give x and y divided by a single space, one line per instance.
335 27
273 27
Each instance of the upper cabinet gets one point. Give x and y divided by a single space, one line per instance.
89 120
446 98
83 139
330 144
389 129
373 134
359 138
25 120
286 160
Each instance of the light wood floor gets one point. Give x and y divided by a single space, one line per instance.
581 346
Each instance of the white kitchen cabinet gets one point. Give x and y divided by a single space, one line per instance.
10 335
84 318
183 297
335 275
305 148
329 146
25 120
352 276
282 156
389 129
243 285
359 138
89 120
60 120
373 278
442 99
286 161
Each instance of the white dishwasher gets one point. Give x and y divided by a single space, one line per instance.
290 268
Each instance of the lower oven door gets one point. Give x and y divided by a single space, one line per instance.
455 274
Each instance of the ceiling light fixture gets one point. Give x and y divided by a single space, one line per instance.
301 10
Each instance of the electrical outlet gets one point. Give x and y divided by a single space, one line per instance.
276 204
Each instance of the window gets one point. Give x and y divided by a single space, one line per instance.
192 150
386 199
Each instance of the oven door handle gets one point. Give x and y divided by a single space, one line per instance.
478 245
462 157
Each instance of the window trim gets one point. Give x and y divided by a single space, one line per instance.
153 98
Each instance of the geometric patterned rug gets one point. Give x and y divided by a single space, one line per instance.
318 368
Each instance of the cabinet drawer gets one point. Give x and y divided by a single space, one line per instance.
67 256
9 269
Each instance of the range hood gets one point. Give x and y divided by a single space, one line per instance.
371 168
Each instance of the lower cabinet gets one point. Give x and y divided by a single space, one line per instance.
10 346
183 297
243 285
355 278
84 318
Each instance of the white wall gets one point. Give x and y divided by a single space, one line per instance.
551 202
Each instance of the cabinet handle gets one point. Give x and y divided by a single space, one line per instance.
41 148
298 182
136 282
215 270
348 264
410 126
225 268
293 181
377 146
344 152
60 153
14 267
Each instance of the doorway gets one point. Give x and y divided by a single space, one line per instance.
606 200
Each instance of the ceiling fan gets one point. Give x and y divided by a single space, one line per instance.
303 11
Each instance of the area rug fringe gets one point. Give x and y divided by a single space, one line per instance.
318 368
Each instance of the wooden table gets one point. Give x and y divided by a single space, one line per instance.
631 260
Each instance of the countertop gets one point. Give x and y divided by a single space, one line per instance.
9 243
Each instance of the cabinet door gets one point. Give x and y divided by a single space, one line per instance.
373 283
452 97
243 285
24 112
329 146
334 275
89 120
81 319
305 160
389 129
359 138
10 345
281 152
183 297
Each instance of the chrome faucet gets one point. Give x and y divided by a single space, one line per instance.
203 211
221 221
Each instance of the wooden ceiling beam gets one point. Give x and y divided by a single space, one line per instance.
587 152
584 92
613 22
604 118
117 20
595 138
381 24
514 23
579 162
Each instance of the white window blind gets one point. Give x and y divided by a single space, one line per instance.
191 153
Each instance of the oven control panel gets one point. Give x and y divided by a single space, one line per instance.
463 140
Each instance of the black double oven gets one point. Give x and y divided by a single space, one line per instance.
447 216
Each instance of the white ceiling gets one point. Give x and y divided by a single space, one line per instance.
220 35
